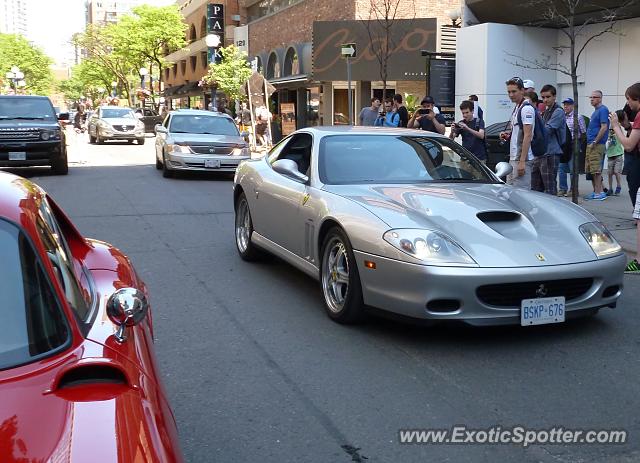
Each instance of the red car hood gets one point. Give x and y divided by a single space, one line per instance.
97 422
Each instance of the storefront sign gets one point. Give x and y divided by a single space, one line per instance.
215 25
442 85
407 37
288 114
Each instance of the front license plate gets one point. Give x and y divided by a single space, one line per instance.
542 310
17 156
212 163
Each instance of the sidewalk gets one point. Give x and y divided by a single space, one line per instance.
615 212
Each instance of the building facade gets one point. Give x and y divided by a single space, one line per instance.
495 42
191 63
13 17
108 11
288 39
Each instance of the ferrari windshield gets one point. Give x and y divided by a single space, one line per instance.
388 158
32 321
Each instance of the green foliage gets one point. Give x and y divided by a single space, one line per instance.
86 80
410 102
15 50
231 74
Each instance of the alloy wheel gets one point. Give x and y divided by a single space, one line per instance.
335 275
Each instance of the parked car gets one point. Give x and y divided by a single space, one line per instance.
31 134
497 150
115 123
78 376
409 222
197 140
150 118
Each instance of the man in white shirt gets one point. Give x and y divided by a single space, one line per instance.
520 155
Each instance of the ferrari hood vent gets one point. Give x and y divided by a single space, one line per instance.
498 216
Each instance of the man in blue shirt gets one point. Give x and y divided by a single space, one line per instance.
389 117
597 134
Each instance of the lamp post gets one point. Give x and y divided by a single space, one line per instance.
143 73
213 42
114 92
16 77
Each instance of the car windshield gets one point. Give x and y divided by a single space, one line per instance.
33 324
349 159
117 113
203 124
26 108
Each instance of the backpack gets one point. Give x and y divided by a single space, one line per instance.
540 137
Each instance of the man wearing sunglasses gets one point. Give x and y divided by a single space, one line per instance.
520 155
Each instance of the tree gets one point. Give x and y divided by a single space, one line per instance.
231 74
15 50
86 80
379 25
149 33
565 15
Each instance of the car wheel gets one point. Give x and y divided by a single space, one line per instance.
92 140
340 280
99 139
130 142
158 163
140 141
166 173
60 165
244 229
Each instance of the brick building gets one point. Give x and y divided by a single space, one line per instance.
283 34
190 64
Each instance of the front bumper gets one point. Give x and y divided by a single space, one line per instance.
407 289
196 162
36 153
116 135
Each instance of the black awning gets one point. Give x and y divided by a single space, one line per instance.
189 89
169 91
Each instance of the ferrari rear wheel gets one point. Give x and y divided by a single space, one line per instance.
244 230
340 279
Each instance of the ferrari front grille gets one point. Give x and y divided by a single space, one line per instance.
512 294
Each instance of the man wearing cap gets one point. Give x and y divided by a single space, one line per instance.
564 168
530 86
426 118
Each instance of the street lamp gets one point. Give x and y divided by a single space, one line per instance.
16 77
143 73
114 85
213 42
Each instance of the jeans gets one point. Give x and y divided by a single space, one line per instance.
633 174
563 169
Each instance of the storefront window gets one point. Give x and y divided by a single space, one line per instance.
313 106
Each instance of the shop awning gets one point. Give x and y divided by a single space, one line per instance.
170 91
189 89
299 80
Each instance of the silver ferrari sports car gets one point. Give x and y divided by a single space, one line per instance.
409 222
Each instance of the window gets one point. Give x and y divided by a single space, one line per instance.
273 67
194 62
353 159
116 113
291 64
33 324
203 124
26 108
299 151
60 257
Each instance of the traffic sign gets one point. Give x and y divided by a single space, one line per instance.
348 50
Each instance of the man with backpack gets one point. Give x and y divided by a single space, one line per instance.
527 135
545 168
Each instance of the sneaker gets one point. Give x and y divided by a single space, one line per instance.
601 197
609 192
562 193
618 190
590 196
632 267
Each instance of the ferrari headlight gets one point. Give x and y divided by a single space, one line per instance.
241 152
600 240
429 246
182 149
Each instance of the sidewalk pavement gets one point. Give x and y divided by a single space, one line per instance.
615 212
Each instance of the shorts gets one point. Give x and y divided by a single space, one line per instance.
614 164
520 182
594 158
636 209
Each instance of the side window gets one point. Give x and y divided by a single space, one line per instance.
77 295
299 150
276 150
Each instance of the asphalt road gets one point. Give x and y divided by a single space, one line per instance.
257 373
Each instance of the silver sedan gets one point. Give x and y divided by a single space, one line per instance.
410 222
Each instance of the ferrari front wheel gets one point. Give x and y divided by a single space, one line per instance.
340 279
244 230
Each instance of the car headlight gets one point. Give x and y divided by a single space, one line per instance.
184 149
50 135
600 240
103 125
241 151
139 125
429 246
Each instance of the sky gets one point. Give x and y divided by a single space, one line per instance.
53 22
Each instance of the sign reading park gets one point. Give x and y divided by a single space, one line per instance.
331 39
215 25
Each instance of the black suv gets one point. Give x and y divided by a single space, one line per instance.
30 134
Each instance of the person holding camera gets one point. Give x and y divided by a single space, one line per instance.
426 119
387 117
472 131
